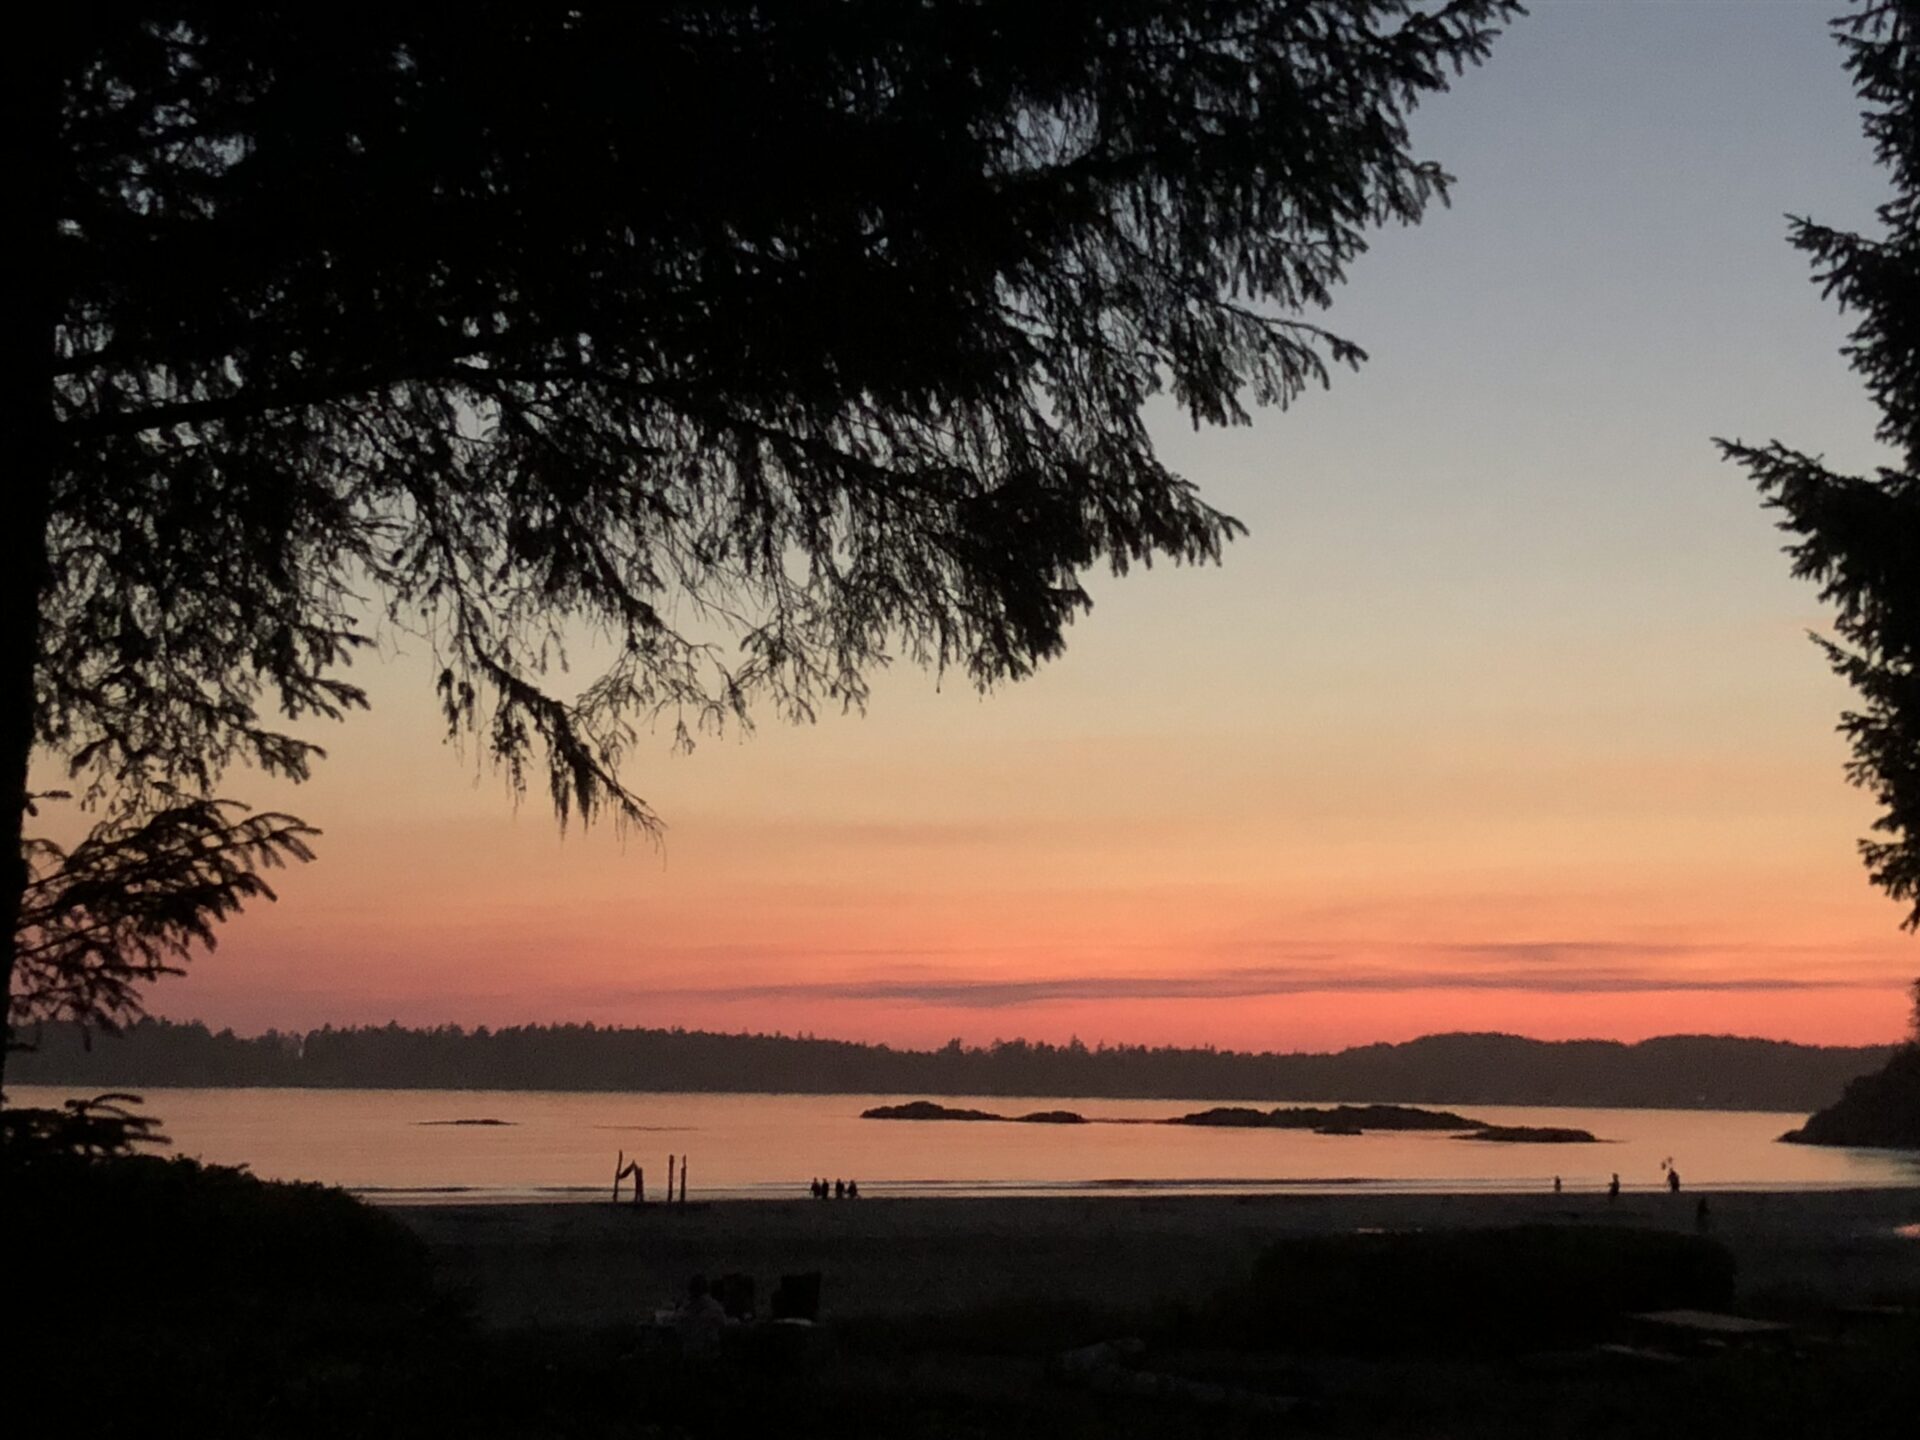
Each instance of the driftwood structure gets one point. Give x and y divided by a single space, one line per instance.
623 1167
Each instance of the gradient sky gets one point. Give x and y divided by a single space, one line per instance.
1503 716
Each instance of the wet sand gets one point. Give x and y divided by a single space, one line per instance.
601 1264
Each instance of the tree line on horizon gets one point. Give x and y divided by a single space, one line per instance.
1678 1071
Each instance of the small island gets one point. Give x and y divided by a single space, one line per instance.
927 1110
1338 1120
1534 1135
484 1120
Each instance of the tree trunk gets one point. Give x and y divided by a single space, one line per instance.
24 567
27 414
22 575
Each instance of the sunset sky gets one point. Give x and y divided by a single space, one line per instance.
1502 717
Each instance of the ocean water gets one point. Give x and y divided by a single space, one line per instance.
557 1146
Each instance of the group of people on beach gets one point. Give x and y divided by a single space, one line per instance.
838 1190
1613 1185
1700 1214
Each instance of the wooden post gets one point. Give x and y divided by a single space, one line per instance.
669 1179
683 1179
639 1185
619 1169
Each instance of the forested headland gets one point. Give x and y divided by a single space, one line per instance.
1681 1071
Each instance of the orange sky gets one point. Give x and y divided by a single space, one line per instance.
1502 718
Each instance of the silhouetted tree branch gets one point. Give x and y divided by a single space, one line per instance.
743 347
131 901
103 1128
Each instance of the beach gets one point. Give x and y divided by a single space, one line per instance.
587 1264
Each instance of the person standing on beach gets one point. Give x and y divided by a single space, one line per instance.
1613 1186
1673 1181
1556 1184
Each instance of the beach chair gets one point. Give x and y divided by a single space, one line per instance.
797 1297
735 1294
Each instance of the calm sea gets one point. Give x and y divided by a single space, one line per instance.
557 1146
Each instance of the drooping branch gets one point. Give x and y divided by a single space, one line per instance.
131 902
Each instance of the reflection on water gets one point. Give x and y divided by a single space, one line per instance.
563 1146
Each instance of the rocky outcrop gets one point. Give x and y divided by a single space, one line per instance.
927 1110
1881 1109
1339 1120
1535 1135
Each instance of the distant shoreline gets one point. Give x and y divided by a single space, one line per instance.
1678 1072
1559 1102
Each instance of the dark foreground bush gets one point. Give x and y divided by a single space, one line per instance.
168 1233
152 1294
1469 1290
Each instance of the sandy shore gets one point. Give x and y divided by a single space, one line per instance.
598 1264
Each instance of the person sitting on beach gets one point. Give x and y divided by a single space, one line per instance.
853 1189
700 1319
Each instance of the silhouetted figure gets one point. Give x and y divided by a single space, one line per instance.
1613 1187
701 1319
1673 1181
1556 1184
853 1189
1700 1217
839 1189
735 1294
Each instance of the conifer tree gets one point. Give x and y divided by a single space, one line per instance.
1858 536
751 344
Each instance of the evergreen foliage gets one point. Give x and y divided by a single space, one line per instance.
106 1127
1858 536
731 348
